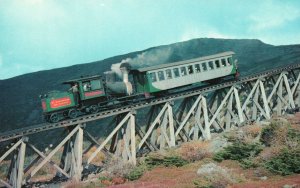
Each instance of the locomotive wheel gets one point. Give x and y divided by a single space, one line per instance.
72 113
94 109
54 118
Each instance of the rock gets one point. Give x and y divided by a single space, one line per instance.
218 144
289 186
264 178
210 168
263 123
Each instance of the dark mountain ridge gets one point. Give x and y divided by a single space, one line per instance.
20 105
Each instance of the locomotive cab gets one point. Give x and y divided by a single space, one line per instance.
91 92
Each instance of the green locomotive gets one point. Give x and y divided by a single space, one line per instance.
58 105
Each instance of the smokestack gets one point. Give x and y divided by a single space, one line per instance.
125 68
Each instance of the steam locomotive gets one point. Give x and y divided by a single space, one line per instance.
94 93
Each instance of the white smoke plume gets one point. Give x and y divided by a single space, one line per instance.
145 59
116 67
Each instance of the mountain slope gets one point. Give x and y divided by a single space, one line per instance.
20 105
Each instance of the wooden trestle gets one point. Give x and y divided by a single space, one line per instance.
169 121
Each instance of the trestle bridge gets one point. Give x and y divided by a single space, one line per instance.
166 122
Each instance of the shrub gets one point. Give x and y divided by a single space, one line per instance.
280 134
285 163
194 151
293 138
248 163
238 151
118 180
165 161
102 178
116 167
153 161
213 175
268 133
136 172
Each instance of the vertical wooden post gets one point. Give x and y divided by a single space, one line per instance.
132 138
207 134
238 105
17 165
264 97
171 125
78 145
228 115
279 103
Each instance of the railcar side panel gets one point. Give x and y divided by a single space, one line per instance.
58 101
182 75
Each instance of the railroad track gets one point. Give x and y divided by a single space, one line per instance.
145 103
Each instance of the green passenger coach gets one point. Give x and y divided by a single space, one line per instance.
194 71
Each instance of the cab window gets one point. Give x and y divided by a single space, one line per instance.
153 77
161 75
86 86
176 72
95 84
169 74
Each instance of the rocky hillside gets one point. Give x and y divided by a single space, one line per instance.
255 155
20 105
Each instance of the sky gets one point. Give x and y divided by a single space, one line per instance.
45 34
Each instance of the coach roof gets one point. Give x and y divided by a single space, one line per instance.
204 58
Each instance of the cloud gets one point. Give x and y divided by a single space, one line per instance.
271 15
202 32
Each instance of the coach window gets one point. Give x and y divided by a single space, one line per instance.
161 75
197 68
190 69
182 71
210 65
176 72
204 66
217 63
223 62
153 77
229 61
169 74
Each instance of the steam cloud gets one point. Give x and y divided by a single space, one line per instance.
145 59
